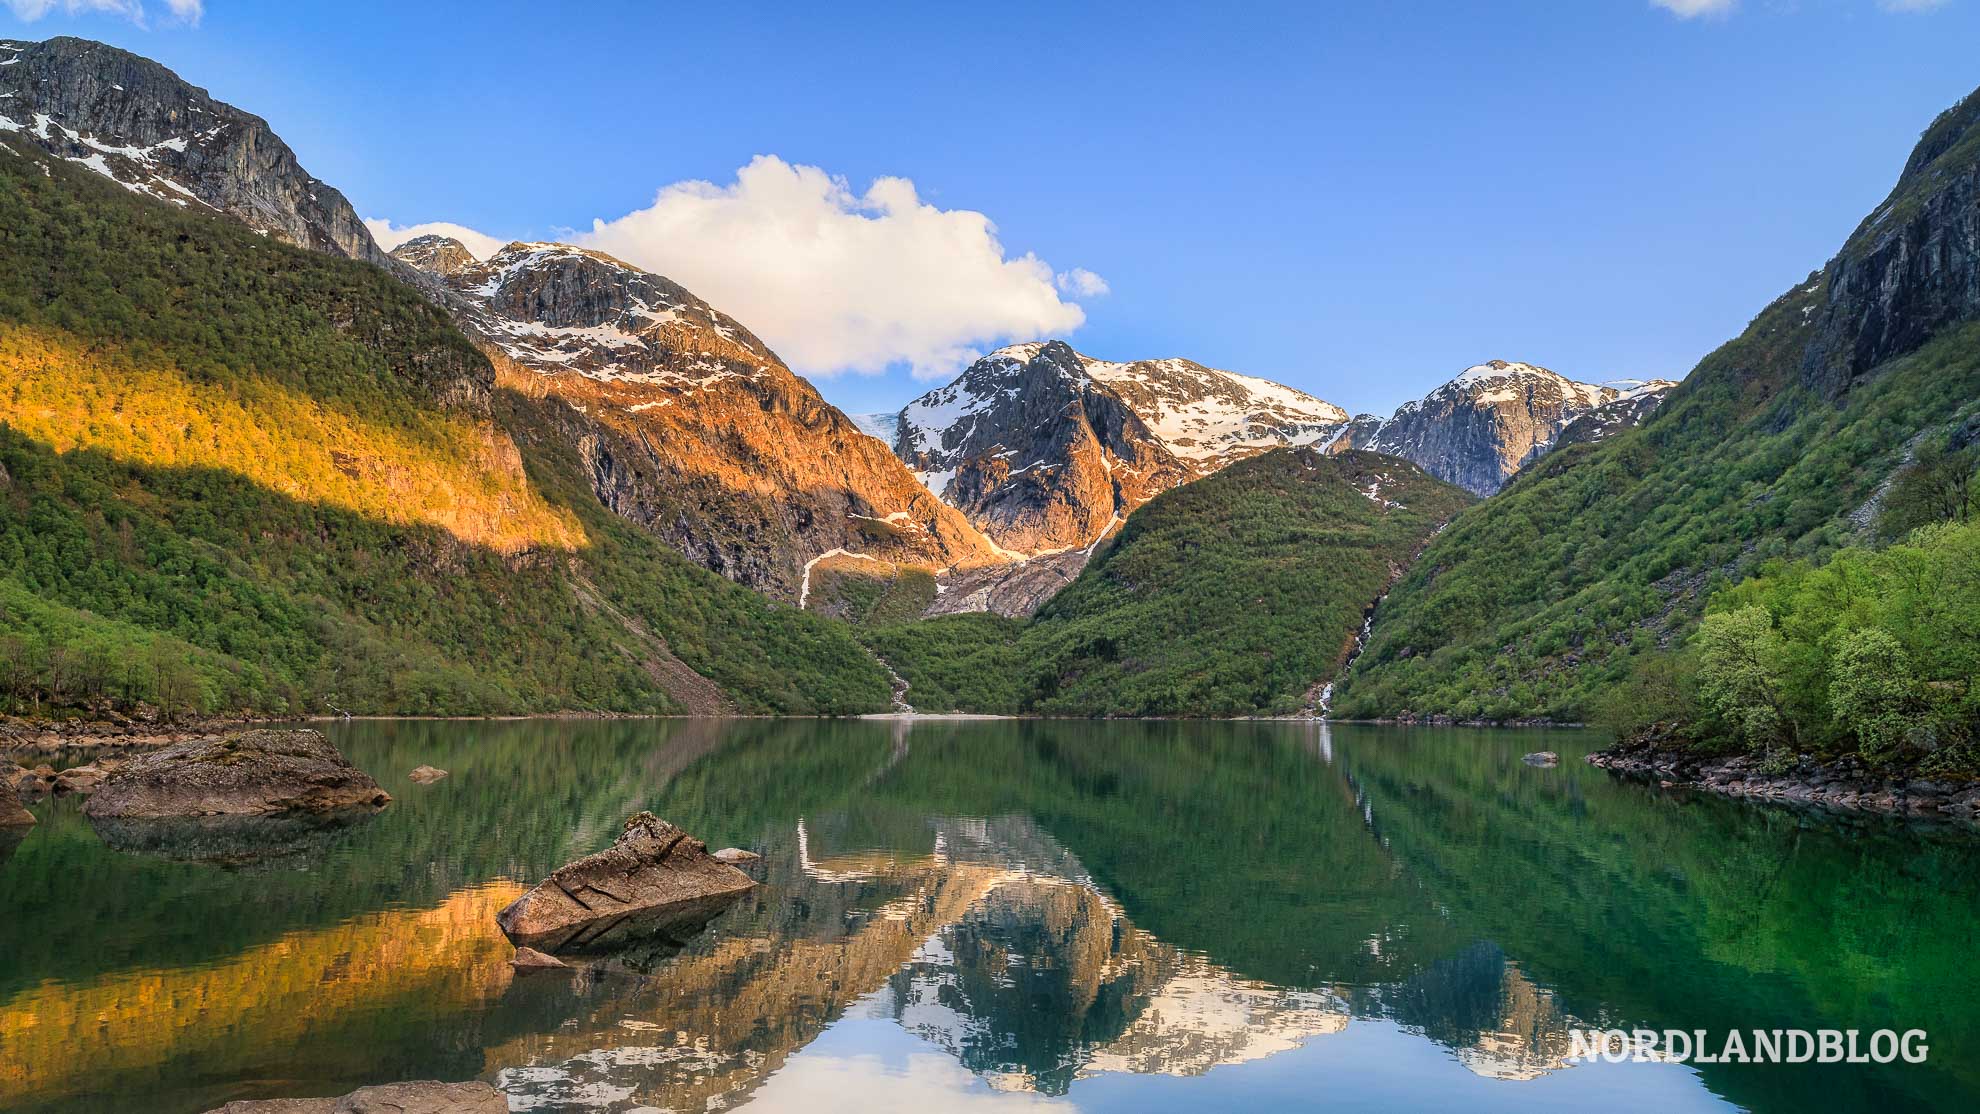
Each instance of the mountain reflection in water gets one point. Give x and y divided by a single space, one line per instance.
1112 915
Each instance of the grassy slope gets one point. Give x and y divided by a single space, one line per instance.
1233 595
224 458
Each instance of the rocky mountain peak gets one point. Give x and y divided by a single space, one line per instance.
140 125
437 255
1484 424
1047 449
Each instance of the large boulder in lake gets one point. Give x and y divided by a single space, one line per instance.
247 774
656 874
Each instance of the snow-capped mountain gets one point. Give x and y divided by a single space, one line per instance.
1047 450
138 124
1481 427
713 443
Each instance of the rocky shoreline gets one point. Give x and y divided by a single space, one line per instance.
1844 783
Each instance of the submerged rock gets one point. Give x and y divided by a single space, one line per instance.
736 856
529 959
1542 758
422 1097
13 814
254 772
278 841
656 876
426 775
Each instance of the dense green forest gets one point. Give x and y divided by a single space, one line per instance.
1232 595
240 477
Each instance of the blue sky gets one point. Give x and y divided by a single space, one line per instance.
1358 199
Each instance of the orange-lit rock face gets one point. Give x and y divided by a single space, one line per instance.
689 425
1047 450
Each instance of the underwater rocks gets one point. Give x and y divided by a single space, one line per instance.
250 773
655 875
422 1097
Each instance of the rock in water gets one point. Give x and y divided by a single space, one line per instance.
426 775
529 959
12 813
1542 758
422 1097
736 856
654 870
254 772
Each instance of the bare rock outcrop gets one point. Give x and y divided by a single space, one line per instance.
250 773
13 814
654 872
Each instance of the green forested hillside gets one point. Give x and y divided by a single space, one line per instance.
1545 598
1233 595
240 476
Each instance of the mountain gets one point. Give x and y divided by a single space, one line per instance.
236 476
139 125
1481 427
689 425
1597 558
750 474
1047 450
1237 594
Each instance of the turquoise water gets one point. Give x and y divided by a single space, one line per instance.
997 916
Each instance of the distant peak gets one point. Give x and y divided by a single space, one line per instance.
440 255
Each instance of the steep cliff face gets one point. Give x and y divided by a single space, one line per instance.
690 425
1481 427
138 124
1047 450
1912 268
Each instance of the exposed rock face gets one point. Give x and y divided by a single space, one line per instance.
251 773
1478 429
654 870
1912 267
1047 450
423 1097
13 814
138 124
690 425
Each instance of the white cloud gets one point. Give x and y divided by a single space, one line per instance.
1692 9
187 11
1083 283
479 244
837 281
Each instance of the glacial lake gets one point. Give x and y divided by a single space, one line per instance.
999 915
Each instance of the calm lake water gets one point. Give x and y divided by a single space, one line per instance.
998 916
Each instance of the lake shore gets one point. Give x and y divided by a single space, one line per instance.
1844 783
